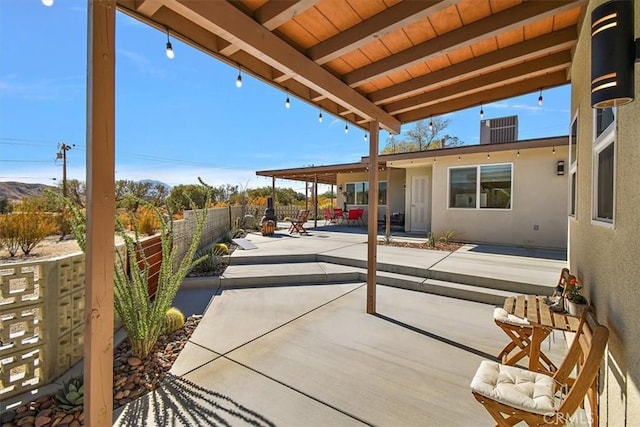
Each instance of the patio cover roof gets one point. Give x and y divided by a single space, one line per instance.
389 61
327 174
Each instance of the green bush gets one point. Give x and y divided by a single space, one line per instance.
9 234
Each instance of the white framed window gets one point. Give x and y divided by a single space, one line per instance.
604 167
573 167
357 193
481 187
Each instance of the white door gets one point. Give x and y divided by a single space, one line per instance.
419 201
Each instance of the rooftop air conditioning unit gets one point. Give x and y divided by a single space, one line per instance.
501 129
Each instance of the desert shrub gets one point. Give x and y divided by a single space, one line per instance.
227 234
213 259
147 221
142 317
125 219
447 236
25 230
431 240
9 234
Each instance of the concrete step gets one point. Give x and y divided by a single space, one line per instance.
483 280
444 288
321 272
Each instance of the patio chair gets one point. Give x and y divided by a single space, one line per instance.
353 216
338 215
511 394
297 225
328 217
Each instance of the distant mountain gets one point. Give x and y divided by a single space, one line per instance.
155 182
18 190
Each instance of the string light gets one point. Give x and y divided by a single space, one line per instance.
239 79
459 158
287 102
47 3
346 128
481 112
540 98
518 153
170 53
488 156
553 151
431 125
320 117
366 137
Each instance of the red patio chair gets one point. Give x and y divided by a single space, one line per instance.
328 216
353 216
338 215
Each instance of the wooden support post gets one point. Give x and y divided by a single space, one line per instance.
372 217
387 225
306 195
273 194
315 201
101 208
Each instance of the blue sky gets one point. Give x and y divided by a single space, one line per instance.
182 118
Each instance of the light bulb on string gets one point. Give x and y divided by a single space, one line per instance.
170 53
239 79
431 125
47 3
540 99
346 128
366 138
481 112
320 117
287 102
518 153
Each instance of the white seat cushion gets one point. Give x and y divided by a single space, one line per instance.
501 315
519 388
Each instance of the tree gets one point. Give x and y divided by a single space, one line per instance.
424 136
182 196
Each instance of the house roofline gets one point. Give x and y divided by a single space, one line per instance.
327 174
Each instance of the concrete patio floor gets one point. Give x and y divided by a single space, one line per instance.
307 355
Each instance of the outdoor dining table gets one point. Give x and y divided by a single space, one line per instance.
528 336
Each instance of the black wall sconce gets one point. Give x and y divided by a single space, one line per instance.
560 167
613 53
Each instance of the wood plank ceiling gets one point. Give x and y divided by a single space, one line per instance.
387 60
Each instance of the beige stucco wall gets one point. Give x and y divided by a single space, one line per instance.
539 197
397 189
607 260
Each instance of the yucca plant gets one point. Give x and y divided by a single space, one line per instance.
70 398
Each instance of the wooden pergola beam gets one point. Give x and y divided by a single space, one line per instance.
545 65
550 80
467 35
276 12
227 22
394 18
101 208
273 14
532 48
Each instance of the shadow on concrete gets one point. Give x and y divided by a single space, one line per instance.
438 338
181 402
194 300
553 254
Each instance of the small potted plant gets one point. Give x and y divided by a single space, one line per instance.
576 302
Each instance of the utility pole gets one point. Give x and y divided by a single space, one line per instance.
62 154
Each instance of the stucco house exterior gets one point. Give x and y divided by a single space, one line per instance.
505 193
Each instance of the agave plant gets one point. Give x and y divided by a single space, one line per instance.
70 398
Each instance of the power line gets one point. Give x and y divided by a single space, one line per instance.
26 161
